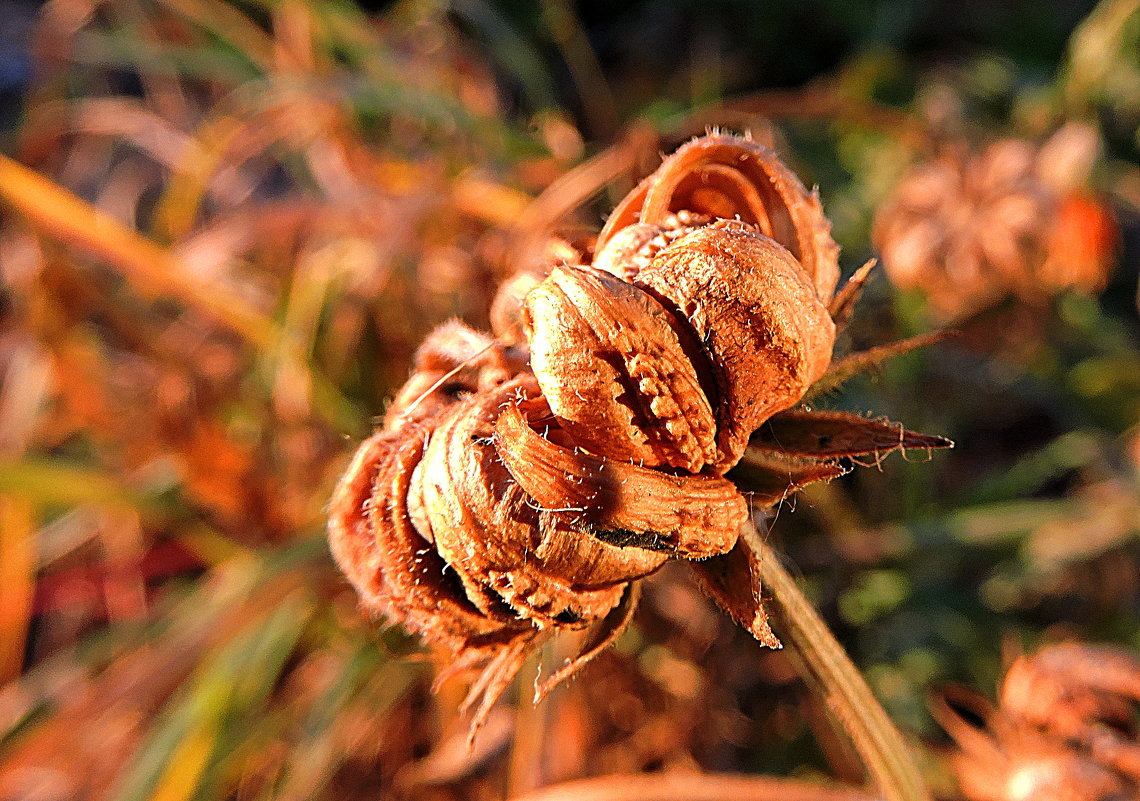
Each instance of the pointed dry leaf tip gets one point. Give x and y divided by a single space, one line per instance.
836 434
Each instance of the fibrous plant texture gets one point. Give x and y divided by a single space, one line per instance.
523 482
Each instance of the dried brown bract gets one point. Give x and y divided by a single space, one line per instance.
1064 729
522 484
968 228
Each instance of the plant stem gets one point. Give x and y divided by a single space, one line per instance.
825 664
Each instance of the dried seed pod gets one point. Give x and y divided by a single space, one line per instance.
730 178
765 331
969 228
720 301
615 373
522 487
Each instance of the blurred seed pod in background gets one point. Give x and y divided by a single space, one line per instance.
970 227
1064 728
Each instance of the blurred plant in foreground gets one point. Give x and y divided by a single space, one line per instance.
250 208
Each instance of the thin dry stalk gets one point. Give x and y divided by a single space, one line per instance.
824 663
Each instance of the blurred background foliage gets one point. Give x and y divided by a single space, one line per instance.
226 226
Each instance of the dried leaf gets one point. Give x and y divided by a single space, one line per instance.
835 434
153 270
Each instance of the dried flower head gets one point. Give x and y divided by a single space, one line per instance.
1064 728
522 483
969 228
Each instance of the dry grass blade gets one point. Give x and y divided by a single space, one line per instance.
17 577
690 787
455 758
51 482
151 269
566 194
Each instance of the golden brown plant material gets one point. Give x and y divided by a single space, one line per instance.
969 227
686 786
1064 728
522 483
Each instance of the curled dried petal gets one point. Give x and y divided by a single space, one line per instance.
486 529
614 373
691 516
391 566
735 178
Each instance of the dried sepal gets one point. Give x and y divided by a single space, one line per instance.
454 361
842 306
835 434
851 365
771 476
733 581
601 637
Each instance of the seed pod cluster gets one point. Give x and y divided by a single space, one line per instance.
522 482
